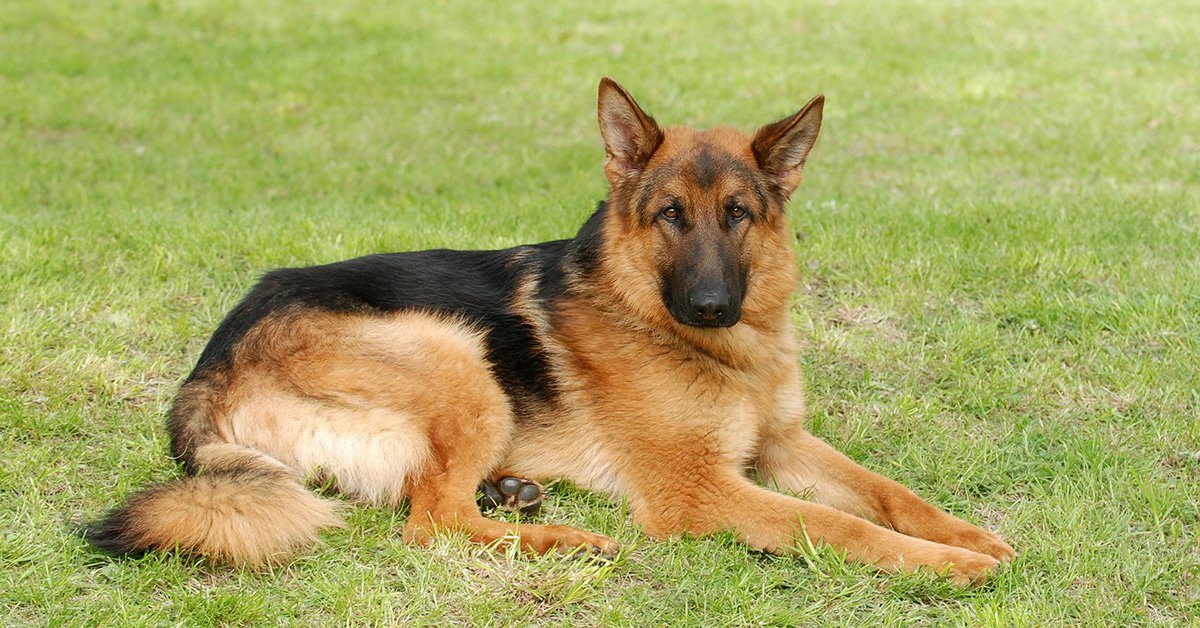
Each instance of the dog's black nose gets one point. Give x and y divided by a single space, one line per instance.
709 306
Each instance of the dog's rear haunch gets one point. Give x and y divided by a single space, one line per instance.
650 358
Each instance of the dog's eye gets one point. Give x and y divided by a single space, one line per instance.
737 212
670 213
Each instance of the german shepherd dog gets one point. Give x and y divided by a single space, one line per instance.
650 358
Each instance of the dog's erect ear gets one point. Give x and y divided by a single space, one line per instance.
630 136
781 147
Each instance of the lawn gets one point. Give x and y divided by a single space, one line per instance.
999 235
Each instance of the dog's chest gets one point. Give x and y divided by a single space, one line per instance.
717 412
597 431
630 399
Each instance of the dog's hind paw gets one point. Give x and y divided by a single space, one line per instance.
511 493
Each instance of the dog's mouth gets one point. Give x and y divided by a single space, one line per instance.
717 320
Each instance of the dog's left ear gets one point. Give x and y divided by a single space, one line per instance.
781 147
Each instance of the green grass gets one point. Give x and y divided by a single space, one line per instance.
999 233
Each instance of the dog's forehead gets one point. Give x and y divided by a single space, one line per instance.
708 150
698 164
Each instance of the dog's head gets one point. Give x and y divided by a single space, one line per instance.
699 210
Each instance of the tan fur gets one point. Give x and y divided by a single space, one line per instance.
257 515
350 396
405 406
670 416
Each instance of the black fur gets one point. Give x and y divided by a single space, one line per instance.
113 534
708 166
478 286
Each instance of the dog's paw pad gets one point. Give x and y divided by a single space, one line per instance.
511 493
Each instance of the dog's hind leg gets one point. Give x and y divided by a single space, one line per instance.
388 407
442 498
421 414
467 439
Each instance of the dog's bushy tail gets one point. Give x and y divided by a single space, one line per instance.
243 507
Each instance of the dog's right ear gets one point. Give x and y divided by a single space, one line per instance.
630 136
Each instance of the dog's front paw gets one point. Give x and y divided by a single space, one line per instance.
982 541
968 568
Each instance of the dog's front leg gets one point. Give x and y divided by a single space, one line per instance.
802 463
714 499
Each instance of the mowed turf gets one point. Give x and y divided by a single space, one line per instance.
1000 304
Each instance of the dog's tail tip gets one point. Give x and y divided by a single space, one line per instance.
233 518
